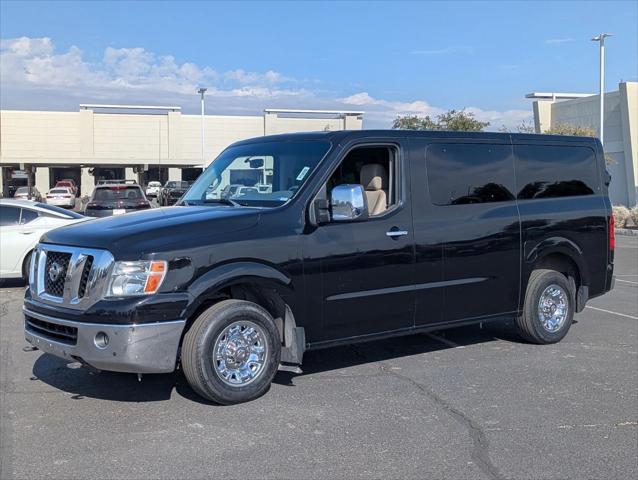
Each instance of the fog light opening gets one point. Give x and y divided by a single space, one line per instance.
101 340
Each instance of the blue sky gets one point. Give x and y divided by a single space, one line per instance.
385 58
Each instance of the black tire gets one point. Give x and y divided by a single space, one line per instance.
198 352
529 325
26 264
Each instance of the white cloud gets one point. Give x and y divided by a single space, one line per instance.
385 111
35 75
556 41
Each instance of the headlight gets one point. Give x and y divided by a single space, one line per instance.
136 278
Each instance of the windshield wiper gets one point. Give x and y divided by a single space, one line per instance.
223 201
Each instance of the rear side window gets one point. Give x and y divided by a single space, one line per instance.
28 216
9 215
547 171
460 174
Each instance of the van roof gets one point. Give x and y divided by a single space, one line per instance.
341 136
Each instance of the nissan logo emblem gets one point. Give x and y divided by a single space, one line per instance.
54 271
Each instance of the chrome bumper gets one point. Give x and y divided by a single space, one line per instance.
144 348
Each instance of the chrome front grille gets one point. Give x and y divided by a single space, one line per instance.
58 263
72 277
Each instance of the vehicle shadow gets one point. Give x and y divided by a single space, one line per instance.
125 387
120 387
12 283
337 358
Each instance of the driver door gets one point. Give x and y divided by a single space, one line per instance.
363 271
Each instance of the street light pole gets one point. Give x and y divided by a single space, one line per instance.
601 40
202 91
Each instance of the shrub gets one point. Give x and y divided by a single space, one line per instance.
634 215
621 215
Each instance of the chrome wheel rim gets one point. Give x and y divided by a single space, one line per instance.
553 307
240 353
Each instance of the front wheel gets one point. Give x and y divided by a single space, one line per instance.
549 307
231 352
26 266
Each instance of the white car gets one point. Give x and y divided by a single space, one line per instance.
22 223
61 197
153 188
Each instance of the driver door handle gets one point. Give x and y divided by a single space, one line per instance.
396 233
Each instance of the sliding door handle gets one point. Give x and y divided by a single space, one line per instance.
396 233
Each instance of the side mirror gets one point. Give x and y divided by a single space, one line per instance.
348 202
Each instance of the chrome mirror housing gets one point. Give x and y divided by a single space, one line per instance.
348 202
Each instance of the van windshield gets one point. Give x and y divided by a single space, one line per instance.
260 174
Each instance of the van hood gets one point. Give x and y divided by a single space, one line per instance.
156 230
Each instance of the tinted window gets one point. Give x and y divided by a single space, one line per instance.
109 194
9 215
28 216
460 174
545 171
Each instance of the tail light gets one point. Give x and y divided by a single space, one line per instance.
612 233
49 196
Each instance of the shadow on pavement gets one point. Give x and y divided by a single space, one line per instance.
125 387
12 283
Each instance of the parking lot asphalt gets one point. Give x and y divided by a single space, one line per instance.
463 403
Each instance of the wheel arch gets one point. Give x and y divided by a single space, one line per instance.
564 256
259 283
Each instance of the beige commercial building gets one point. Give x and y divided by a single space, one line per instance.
134 142
621 130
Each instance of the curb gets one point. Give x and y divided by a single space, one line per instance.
630 232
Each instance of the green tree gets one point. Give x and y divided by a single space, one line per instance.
414 122
522 127
456 120
565 129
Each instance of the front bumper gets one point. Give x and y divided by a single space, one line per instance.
141 348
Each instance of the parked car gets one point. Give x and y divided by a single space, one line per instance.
234 191
69 183
22 222
61 197
172 191
115 197
22 193
365 235
152 189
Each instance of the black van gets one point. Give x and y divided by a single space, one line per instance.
360 235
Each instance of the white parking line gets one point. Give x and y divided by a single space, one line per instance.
626 281
615 313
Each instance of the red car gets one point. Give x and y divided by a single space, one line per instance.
69 183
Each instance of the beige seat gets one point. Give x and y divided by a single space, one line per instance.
374 179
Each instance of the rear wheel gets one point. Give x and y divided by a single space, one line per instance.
549 307
231 352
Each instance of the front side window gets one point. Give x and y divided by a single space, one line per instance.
264 174
9 216
460 174
375 168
